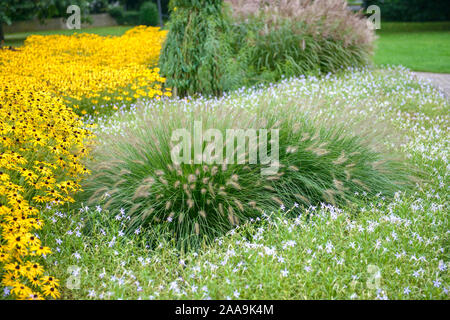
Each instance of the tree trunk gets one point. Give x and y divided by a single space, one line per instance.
2 35
160 14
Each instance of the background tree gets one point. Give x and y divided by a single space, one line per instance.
58 8
18 10
13 10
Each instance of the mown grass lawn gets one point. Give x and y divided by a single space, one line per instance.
17 39
418 46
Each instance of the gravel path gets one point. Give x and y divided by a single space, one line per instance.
440 80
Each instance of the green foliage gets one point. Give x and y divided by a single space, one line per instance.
131 18
117 13
13 10
412 10
100 6
383 233
322 164
136 4
194 203
132 4
16 10
148 14
58 8
122 17
286 53
197 57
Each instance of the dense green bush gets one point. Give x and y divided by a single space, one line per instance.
122 17
148 14
117 13
412 10
197 57
133 171
131 18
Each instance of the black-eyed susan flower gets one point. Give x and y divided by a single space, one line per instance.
35 296
21 290
51 291
49 280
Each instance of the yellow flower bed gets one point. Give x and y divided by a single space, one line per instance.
41 146
42 140
88 67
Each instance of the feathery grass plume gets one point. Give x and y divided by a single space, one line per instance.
293 37
199 202
192 201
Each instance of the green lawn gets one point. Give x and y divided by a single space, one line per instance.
17 39
418 46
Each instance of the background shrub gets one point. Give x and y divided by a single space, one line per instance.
197 57
131 18
412 10
148 14
117 13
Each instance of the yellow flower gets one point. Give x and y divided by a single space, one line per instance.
41 250
35 281
9 279
4 257
15 268
21 290
35 268
36 296
93 67
49 290
48 280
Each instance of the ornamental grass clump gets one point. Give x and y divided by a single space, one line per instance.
294 37
197 202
